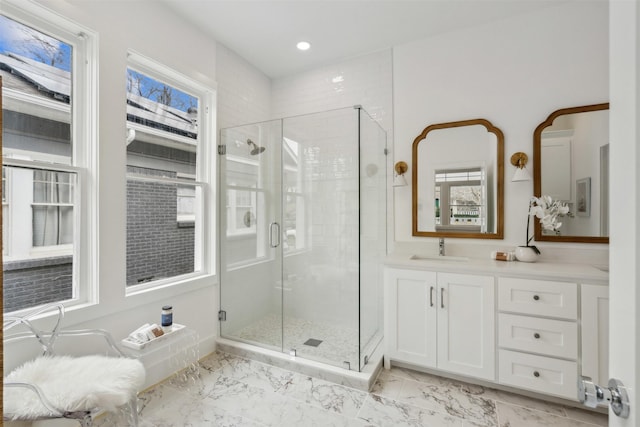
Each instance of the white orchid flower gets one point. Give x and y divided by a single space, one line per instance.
547 211
537 211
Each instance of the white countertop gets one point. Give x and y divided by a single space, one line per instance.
581 273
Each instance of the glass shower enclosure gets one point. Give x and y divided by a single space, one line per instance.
303 234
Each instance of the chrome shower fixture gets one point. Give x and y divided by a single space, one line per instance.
255 149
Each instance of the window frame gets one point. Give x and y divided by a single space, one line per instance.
448 178
84 137
204 177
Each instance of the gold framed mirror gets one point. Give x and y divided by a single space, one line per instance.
457 180
571 164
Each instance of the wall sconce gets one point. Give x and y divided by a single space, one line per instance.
398 179
519 160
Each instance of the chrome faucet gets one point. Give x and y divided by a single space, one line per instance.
441 246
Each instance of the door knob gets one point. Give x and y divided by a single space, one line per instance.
591 394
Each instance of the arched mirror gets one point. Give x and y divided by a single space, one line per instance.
457 179
571 163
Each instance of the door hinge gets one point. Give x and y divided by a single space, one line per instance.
222 316
222 149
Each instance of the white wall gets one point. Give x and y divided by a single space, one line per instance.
512 72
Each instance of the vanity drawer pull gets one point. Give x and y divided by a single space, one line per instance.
431 296
555 376
538 297
549 337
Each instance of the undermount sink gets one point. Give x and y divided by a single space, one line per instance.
439 258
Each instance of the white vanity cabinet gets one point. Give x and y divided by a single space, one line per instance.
531 326
441 320
538 335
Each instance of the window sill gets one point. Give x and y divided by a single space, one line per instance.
170 287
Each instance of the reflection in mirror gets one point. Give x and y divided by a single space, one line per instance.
457 179
571 163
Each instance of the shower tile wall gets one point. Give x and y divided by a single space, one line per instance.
365 80
244 92
329 290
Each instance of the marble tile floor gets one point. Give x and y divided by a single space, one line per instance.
227 390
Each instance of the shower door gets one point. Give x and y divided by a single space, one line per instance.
321 257
251 234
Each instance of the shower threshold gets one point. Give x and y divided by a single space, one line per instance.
360 380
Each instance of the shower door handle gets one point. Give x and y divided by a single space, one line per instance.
272 226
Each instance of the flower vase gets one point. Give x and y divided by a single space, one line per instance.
527 254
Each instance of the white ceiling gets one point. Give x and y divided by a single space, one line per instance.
265 32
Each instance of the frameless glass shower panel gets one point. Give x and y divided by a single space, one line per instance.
321 236
251 234
373 235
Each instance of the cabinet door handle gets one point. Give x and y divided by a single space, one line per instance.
536 374
441 297
536 336
536 297
431 297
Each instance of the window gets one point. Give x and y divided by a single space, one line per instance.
48 137
246 211
295 214
242 207
460 199
52 208
167 170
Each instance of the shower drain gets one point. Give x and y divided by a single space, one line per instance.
312 342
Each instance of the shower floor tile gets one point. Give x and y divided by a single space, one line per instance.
337 344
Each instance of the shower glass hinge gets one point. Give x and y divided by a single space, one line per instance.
347 365
386 151
222 316
366 360
222 149
292 352
357 106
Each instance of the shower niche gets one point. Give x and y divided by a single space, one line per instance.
303 235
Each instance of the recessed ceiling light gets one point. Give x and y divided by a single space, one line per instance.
303 45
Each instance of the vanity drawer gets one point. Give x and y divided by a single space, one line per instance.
558 338
538 297
538 373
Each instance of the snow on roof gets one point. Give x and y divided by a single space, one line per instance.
146 110
46 78
56 83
